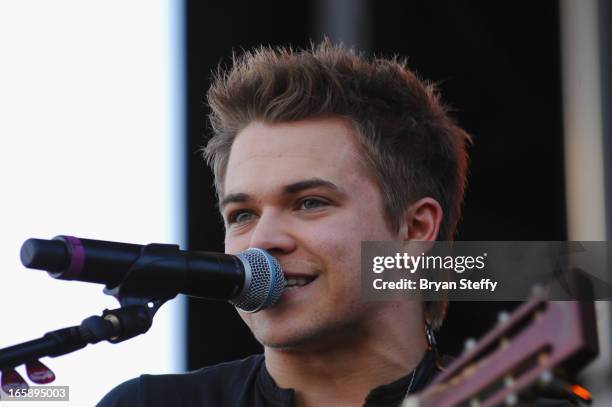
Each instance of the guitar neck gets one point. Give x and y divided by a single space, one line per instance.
539 339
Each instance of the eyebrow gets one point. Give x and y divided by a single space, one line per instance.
290 189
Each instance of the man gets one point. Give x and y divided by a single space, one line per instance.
315 151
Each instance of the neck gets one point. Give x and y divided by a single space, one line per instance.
343 373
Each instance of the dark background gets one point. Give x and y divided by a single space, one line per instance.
497 64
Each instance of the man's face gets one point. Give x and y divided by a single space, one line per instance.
301 191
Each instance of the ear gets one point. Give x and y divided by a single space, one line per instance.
422 220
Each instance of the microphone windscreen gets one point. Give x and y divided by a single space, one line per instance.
264 281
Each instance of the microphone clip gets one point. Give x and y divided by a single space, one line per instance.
136 283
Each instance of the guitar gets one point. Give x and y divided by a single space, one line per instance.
528 351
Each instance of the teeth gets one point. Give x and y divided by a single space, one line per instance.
296 281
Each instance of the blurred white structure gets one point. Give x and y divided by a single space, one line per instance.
584 158
91 123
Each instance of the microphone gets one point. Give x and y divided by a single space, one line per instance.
250 280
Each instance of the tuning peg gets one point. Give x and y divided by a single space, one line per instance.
39 373
469 344
536 290
511 399
11 380
546 377
502 317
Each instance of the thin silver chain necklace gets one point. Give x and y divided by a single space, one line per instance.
411 381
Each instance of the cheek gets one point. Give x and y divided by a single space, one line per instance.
340 246
348 232
230 247
339 243
235 244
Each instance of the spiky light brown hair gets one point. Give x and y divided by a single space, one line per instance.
409 142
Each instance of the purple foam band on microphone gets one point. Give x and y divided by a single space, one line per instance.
77 258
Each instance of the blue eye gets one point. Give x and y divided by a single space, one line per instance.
239 217
312 203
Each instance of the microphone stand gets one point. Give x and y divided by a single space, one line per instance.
135 317
114 326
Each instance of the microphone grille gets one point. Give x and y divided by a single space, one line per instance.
264 281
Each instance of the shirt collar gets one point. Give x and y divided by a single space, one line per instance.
386 395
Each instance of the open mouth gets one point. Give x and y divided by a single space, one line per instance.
294 282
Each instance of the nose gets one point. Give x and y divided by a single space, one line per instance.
273 233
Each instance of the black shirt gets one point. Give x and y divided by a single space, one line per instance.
247 383
243 383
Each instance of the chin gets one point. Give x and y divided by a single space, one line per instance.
282 340
313 338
